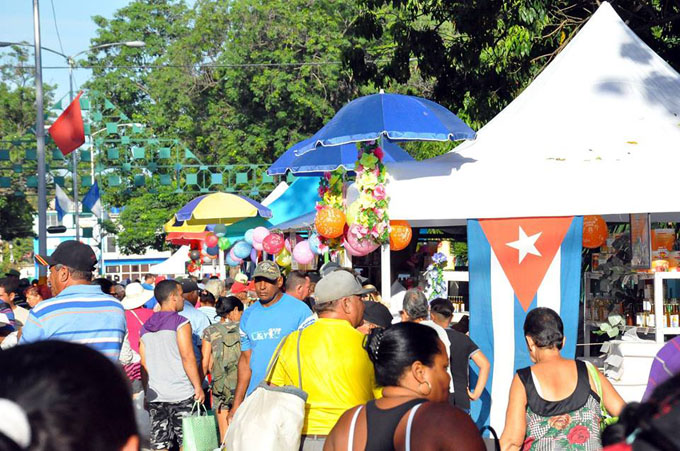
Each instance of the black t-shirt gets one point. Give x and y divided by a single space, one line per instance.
462 348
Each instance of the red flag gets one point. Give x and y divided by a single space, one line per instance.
68 131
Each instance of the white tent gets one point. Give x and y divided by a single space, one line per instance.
175 264
597 132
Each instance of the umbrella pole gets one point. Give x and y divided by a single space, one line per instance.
223 276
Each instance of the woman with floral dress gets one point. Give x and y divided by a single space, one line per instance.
554 403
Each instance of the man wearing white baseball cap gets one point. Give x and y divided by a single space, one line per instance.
336 371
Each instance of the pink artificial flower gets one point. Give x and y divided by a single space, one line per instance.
327 175
378 152
379 192
318 207
376 170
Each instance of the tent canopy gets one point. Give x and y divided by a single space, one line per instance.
595 133
175 264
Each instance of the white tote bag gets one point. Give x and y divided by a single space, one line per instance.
271 418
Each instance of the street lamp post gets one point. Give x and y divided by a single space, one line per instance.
40 123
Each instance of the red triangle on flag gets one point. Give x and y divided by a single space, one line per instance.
525 248
68 131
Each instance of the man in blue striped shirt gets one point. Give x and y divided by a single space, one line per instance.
79 312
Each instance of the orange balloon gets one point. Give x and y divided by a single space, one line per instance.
330 222
594 231
400 235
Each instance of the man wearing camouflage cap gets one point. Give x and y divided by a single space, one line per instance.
263 326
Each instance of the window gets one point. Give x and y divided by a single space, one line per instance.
110 244
112 269
126 268
52 220
135 268
145 268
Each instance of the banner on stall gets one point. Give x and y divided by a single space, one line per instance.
516 265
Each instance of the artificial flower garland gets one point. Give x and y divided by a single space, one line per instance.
434 274
371 217
331 194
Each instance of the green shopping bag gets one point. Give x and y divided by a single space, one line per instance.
199 430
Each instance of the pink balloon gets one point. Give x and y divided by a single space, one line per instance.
273 243
260 234
362 247
257 245
233 257
350 250
302 253
211 240
287 242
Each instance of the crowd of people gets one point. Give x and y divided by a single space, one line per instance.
86 365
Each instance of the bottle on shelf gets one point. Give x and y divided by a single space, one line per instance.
675 315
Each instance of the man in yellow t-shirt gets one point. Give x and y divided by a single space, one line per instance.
336 371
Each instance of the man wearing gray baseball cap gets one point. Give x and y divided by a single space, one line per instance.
336 371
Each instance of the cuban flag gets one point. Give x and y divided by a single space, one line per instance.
516 265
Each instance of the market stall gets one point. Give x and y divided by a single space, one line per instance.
582 139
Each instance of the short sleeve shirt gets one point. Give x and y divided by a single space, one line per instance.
336 371
462 348
262 329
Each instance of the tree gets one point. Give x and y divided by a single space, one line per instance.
17 121
142 220
480 54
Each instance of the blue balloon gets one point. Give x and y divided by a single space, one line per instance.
242 249
249 237
213 250
230 262
314 243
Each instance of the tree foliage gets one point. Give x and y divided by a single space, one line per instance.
480 54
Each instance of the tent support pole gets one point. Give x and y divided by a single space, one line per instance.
385 276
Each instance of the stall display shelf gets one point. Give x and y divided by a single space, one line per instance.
661 329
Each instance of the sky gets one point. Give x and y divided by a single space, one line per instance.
76 28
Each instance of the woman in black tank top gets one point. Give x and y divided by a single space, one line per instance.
410 363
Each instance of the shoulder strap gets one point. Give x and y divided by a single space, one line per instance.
135 315
409 423
598 384
268 373
298 358
352 427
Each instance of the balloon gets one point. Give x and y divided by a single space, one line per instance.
315 244
259 234
195 254
231 262
273 243
234 258
249 236
220 230
400 235
350 250
212 251
594 231
298 238
302 253
352 213
257 245
283 259
207 259
330 222
224 243
241 249
211 240
362 247
253 255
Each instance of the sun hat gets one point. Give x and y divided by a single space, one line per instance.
337 285
135 296
241 278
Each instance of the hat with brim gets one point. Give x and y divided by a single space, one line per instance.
378 314
135 296
72 254
337 285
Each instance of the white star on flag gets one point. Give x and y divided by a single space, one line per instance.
525 244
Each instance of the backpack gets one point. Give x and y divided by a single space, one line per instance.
226 350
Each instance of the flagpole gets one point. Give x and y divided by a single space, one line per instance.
40 142
74 158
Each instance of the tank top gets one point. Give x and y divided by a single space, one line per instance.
570 423
381 425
